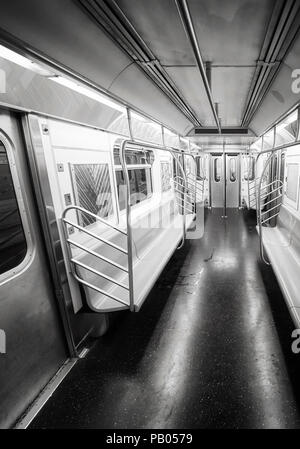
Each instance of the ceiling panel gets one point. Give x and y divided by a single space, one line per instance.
64 33
230 87
189 82
280 97
232 31
158 22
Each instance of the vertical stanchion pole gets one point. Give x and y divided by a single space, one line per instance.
128 219
224 184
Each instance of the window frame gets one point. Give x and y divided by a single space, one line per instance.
251 170
9 275
118 167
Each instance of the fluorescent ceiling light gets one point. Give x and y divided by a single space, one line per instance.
88 93
22 61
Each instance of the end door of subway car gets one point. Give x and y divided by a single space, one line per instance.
225 180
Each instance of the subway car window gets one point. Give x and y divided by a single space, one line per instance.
232 169
92 190
217 170
13 244
140 186
282 166
140 176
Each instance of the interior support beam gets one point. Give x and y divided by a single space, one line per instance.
283 27
108 15
187 22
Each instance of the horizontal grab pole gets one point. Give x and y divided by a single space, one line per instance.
270 218
99 290
98 273
92 234
87 212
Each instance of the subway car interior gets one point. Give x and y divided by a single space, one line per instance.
150 214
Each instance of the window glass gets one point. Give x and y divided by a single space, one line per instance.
200 168
292 181
286 131
120 125
140 186
217 169
92 190
171 139
232 169
249 168
13 245
268 139
257 145
165 173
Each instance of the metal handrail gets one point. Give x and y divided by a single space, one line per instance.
128 233
75 262
262 220
186 198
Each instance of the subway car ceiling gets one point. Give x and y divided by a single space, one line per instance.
234 78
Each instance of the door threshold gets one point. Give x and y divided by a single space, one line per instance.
45 394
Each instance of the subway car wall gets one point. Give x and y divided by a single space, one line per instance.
150 214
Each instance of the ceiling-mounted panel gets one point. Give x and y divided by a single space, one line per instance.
158 22
281 96
189 82
230 35
211 141
232 31
64 33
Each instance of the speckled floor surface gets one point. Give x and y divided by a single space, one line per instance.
209 349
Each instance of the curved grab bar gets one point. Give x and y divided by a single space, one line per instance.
87 212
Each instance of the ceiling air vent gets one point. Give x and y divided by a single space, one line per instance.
213 131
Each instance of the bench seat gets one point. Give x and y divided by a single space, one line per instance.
282 246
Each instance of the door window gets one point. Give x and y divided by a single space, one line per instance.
13 246
217 170
232 169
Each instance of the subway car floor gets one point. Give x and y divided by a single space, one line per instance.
211 347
